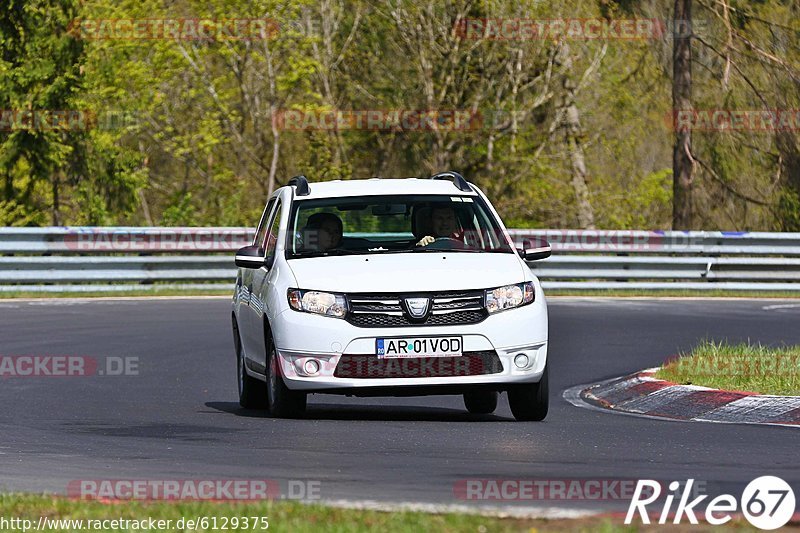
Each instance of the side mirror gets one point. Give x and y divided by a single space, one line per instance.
535 249
250 257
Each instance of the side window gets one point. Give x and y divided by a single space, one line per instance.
272 237
261 232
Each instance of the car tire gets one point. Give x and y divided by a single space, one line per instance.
481 402
531 401
252 391
283 402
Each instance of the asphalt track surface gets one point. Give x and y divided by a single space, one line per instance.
179 417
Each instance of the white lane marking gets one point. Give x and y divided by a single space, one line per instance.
507 511
781 306
573 396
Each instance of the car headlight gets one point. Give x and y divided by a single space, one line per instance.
509 297
317 302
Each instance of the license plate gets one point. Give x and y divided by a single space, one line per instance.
418 347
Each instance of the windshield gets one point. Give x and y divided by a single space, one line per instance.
393 224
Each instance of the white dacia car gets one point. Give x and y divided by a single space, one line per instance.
389 287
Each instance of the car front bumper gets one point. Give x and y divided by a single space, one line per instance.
303 337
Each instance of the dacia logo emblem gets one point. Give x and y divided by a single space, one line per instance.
417 307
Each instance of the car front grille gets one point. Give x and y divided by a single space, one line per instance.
371 367
386 310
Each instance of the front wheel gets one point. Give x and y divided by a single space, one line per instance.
481 402
252 392
530 402
283 402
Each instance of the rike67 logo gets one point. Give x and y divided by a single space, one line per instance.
767 503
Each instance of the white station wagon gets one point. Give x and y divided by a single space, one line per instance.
389 287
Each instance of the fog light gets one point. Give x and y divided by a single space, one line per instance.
311 367
521 360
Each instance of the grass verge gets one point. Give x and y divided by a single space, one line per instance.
741 367
669 293
285 516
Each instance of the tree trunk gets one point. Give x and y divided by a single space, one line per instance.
682 162
577 161
273 116
142 198
571 122
56 201
276 147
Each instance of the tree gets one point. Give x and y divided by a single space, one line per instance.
682 162
40 74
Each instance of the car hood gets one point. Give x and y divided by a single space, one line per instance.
408 272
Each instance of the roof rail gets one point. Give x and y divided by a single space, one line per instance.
301 182
457 179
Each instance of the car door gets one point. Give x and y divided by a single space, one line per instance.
249 328
260 287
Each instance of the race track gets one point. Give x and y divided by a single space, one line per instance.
179 418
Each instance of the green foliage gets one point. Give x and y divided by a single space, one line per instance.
15 214
789 211
181 213
197 143
39 70
648 199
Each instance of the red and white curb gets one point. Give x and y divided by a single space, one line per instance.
641 394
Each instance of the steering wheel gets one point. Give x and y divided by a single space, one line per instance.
446 243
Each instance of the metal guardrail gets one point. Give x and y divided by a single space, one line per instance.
666 242
112 259
104 240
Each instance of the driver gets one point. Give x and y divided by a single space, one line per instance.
328 230
444 225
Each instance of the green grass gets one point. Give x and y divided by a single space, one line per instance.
298 517
740 367
671 293
281 516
